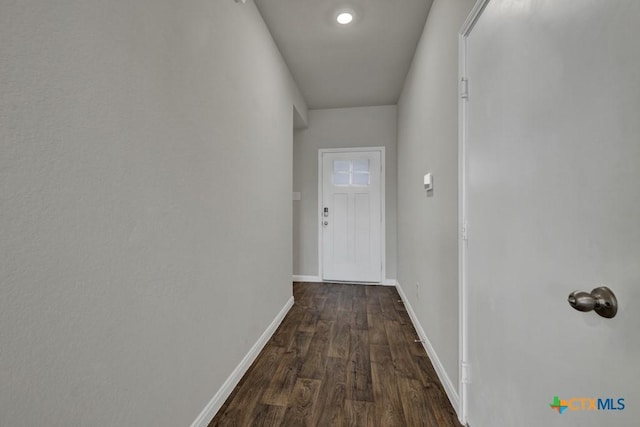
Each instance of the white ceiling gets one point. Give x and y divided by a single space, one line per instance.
360 64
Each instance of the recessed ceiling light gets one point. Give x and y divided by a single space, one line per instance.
344 18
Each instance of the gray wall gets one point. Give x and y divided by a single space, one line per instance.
339 128
145 184
428 142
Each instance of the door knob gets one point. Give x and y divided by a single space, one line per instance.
602 300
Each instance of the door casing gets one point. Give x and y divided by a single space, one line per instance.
463 349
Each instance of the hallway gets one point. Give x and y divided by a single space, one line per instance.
162 186
344 355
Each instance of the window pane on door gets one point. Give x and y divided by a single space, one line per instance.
341 179
341 166
351 173
361 165
360 179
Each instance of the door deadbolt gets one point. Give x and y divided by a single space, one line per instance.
602 300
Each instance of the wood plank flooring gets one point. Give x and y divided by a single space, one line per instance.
343 356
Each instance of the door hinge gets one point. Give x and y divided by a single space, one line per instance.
465 231
464 88
465 372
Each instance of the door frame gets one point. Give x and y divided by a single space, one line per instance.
383 248
464 368
464 373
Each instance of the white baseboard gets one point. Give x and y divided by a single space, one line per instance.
223 393
312 279
318 279
449 388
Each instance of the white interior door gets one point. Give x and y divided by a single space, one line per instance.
552 206
351 216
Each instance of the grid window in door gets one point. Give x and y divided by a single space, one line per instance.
351 173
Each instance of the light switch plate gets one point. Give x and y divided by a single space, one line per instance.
428 182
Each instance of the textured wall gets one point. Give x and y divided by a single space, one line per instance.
145 189
428 142
339 128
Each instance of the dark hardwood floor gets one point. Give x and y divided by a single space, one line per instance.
343 356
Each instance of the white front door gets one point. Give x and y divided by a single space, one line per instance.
351 215
553 206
